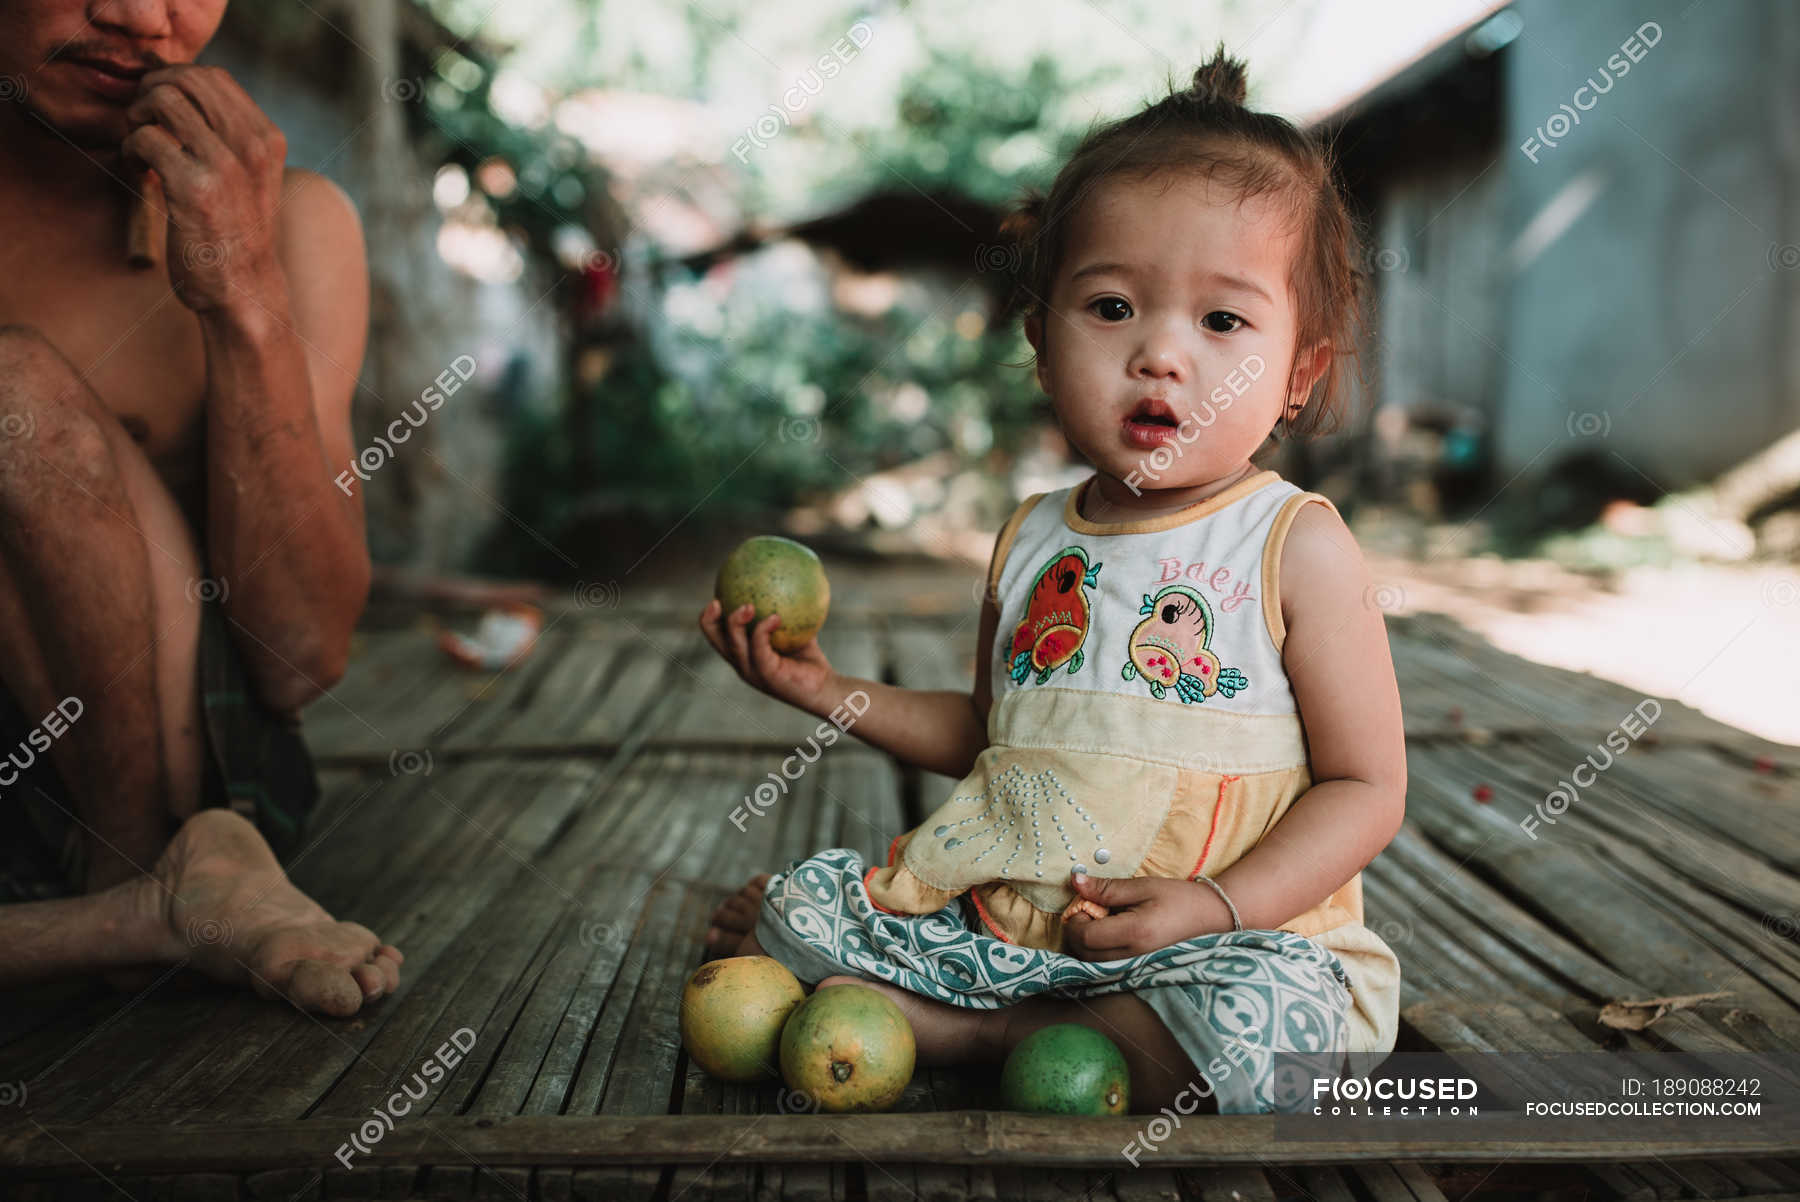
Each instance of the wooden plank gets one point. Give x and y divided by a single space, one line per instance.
1614 815
243 1029
1785 1171
933 655
1564 881
1227 1183
1398 1183
1492 921
1322 1183
1686 781
1443 636
966 1137
648 1042
718 707
545 691
445 926
594 694
402 713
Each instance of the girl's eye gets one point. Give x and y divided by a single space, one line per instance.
1112 300
1233 317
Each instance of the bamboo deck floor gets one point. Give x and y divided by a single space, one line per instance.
547 843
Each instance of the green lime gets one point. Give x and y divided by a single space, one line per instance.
1066 1069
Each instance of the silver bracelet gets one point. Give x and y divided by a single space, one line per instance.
1237 924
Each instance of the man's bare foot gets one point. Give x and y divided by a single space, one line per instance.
735 918
224 904
942 1033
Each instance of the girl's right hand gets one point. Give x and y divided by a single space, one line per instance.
801 677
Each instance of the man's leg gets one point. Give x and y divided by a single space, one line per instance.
98 601
218 902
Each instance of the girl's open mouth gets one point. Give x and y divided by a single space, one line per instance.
1149 425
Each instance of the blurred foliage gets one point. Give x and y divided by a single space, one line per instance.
551 168
750 401
788 408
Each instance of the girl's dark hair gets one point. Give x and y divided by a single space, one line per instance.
1206 128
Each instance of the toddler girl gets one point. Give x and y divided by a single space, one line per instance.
1185 741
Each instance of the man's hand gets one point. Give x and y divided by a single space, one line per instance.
1147 913
220 160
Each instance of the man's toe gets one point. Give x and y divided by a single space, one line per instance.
327 988
371 980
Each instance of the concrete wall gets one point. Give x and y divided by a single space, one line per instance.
1648 311
1434 255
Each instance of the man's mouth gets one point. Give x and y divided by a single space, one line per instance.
115 80
131 71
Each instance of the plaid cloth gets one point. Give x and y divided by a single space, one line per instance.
256 762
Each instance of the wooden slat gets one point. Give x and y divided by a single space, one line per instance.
718 707
591 695
1227 1183
363 717
486 817
1563 882
553 900
962 1137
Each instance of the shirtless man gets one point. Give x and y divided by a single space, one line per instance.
168 442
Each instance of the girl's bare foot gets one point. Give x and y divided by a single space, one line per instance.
942 1033
735 918
219 900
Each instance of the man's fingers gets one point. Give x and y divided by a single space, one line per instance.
156 147
170 108
215 95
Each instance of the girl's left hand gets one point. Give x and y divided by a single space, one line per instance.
1148 913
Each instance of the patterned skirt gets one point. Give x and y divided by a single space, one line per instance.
1259 1013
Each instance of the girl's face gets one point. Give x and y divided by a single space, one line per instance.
1170 334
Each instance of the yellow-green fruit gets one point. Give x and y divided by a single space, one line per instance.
732 1013
1066 1068
777 575
848 1047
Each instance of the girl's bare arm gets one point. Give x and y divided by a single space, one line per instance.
1336 656
938 730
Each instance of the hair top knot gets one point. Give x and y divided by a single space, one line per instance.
1221 79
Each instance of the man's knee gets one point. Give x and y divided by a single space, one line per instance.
45 409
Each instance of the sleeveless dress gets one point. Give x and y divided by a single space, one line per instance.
1142 725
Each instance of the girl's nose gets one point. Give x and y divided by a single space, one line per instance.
1158 358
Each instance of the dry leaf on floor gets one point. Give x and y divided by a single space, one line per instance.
1627 1015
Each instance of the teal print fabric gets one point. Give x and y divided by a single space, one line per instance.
1268 1009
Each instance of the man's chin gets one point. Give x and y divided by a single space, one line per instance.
94 127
